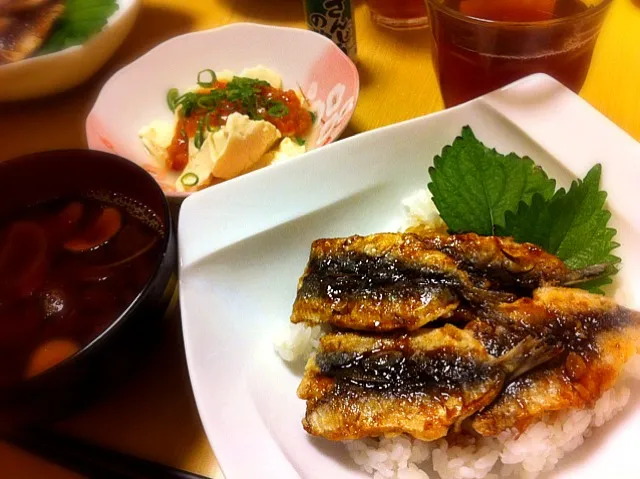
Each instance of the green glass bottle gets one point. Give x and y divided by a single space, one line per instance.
334 20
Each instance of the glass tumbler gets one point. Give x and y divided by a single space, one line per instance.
482 45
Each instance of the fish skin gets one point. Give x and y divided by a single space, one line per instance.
421 383
23 32
20 5
383 282
506 262
598 338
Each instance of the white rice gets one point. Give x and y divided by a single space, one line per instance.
526 456
537 450
420 210
297 341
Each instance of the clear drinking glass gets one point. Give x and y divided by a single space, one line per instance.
482 45
399 14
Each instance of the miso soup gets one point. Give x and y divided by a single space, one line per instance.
68 269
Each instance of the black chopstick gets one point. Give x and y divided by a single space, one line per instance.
91 460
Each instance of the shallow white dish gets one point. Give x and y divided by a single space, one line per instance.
57 72
243 247
303 59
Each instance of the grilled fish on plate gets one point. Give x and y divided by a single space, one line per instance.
598 337
383 282
20 5
505 261
419 383
24 26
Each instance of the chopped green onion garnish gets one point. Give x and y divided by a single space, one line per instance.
313 117
189 179
172 96
198 140
278 109
207 102
210 100
241 94
207 123
206 84
300 141
188 102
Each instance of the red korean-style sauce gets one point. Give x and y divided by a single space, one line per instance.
297 122
68 269
472 61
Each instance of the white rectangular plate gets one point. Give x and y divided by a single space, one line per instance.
244 244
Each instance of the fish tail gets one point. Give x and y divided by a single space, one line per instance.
482 296
577 276
527 355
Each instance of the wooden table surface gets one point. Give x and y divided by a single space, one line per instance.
154 415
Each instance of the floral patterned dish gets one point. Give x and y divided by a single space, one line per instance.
136 95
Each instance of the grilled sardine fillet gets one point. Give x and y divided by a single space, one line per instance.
22 33
20 5
598 338
382 282
419 383
506 262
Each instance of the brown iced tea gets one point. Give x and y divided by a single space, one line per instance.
482 45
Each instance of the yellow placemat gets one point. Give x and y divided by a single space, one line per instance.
155 417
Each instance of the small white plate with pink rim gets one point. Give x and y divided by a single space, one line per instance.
136 95
243 248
